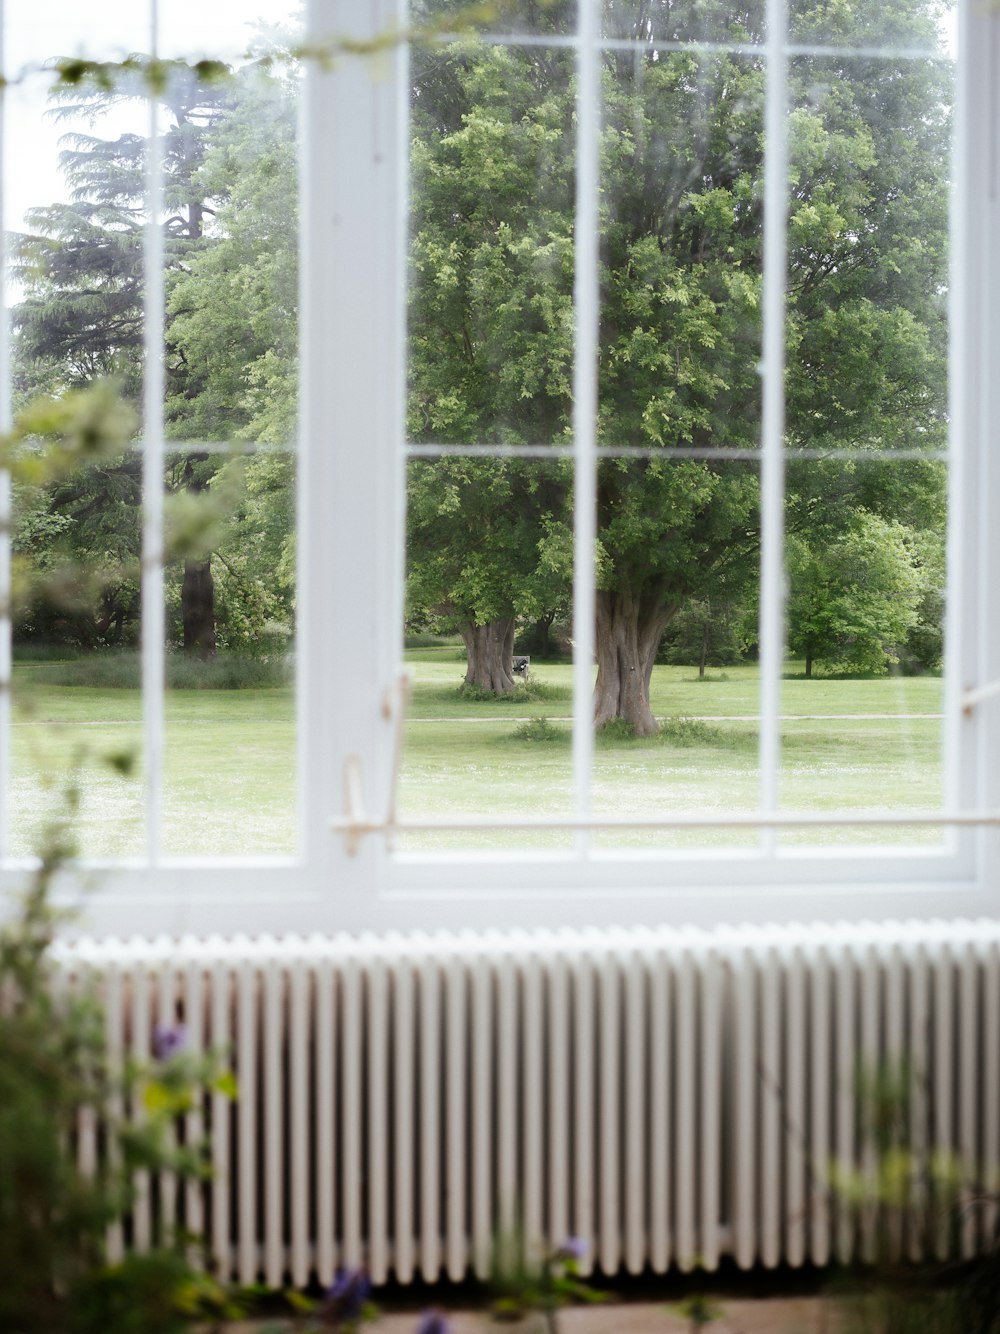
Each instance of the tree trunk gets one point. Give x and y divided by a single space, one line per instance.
198 586
489 653
629 629
543 635
703 660
809 663
198 608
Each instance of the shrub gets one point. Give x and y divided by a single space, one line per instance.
677 731
539 731
530 692
617 732
681 731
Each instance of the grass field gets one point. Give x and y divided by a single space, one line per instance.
230 763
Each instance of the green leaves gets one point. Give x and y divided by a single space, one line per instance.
854 596
77 428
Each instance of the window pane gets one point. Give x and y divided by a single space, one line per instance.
532 18
915 26
681 251
229 222
75 287
489 587
678 530
232 376
677 689
77 736
491 274
226 30
664 21
867 378
862 695
868 254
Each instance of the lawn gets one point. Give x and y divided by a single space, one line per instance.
230 765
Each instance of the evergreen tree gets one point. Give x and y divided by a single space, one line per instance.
80 267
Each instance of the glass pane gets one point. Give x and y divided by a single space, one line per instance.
868 255
232 376
191 30
681 252
77 729
867 377
862 695
491 274
678 537
487 642
915 26
75 287
676 695
526 18
663 22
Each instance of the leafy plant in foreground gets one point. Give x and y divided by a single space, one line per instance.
924 1197
545 1287
54 1215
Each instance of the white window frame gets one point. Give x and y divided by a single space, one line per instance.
351 498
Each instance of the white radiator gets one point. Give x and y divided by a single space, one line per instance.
669 1097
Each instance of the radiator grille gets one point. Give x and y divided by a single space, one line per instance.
669 1097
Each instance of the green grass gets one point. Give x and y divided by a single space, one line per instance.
230 765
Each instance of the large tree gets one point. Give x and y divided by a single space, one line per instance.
490 347
487 549
681 242
80 266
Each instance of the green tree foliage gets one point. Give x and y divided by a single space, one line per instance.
853 601
902 502
491 341
681 161
233 327
492 551
81 319
81 263
712 632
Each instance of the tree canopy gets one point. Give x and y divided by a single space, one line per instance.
680 287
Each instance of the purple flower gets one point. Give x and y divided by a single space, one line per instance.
573 1248
168 1040
433 1322
346 1296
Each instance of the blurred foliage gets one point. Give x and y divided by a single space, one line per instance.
54 1070
915 1200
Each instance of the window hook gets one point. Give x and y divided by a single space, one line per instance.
356 821
977 694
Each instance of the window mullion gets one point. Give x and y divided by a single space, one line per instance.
350 397
586 309
960 646
978 166
5 498
153 605
772 628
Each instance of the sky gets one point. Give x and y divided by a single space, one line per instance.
36 30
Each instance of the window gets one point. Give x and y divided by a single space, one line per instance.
785 401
